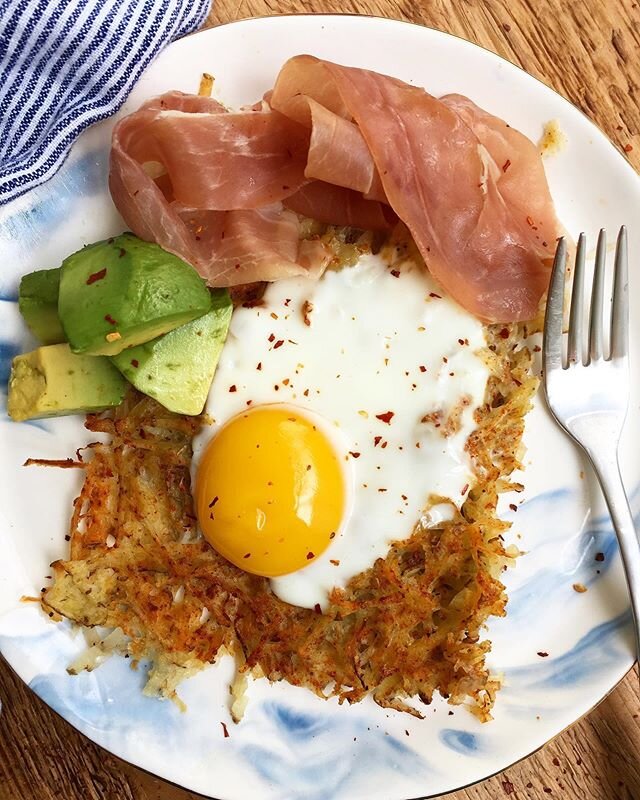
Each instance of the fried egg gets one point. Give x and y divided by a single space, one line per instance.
341 411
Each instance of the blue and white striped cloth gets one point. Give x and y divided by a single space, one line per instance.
65 64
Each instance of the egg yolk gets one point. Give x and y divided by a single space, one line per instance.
270 491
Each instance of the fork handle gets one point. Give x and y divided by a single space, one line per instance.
607 470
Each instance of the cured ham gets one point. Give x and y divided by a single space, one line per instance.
486 234
336 205
247 237
345 146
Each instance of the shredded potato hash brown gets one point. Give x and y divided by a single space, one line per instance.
402 630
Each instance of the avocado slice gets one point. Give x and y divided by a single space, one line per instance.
177 369
52 381
122 292
38 304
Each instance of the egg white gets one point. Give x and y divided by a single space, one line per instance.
376 341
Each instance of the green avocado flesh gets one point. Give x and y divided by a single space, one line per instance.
177 369
38 304
52 381
122 292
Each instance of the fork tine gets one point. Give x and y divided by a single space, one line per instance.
575 345
597 297
620 307
553 318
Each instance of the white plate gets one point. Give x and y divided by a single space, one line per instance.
292 744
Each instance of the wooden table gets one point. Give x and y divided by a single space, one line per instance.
590 52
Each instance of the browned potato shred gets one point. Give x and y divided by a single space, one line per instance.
206 85
406 628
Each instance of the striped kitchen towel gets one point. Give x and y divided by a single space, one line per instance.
65 64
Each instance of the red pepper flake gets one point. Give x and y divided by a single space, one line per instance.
259 367
437 296
544 244
537 349
276 387
237 266
422 368
122 252
377 440
249 402
335 562
306 393
97 276
278 344
382 490
317 608
286 382
307 308
445 359
599 556
513 507
271 338
383 445
386 417
110 319
332 535
225 731
214 501
506 165
403 496
504 333
247 555
233 388
542 654
628 148
285 188
464 489
310 555
395 273
135 363
355 455
287 301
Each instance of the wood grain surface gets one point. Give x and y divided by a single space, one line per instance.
589 51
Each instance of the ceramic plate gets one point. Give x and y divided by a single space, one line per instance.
559 651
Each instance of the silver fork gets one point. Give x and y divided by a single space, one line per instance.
587 389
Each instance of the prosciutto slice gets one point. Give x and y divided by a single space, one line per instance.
216 198
348 147
336 205
485 233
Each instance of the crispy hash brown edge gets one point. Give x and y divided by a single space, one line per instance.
407 627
